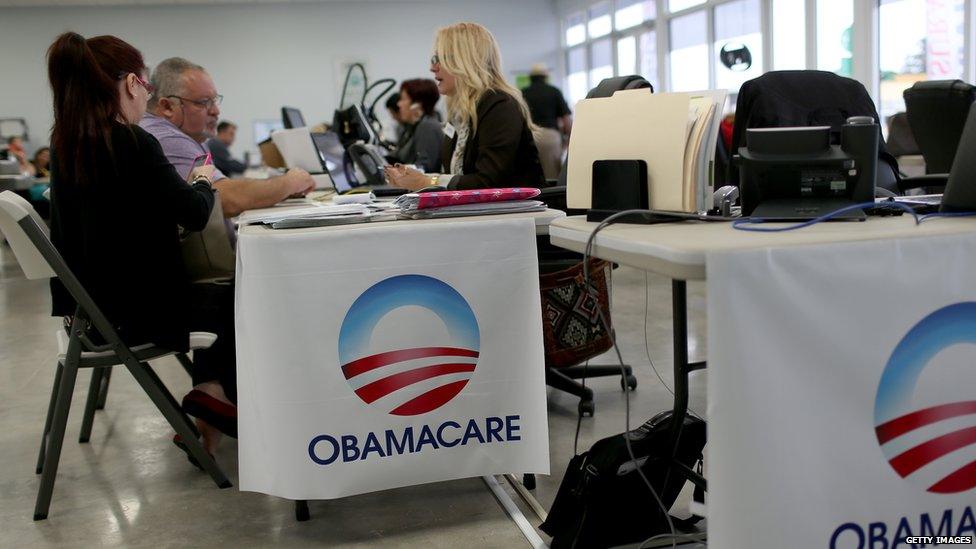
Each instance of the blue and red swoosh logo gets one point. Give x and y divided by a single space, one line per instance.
413 380
935 445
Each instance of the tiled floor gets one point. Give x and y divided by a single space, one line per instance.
131 487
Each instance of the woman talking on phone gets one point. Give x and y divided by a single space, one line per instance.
489 142
117 206
422 137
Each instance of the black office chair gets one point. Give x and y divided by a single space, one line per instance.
901 141
937 112
807 98
561 283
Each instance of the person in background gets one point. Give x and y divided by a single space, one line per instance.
422 136
42 162
489 141
42 171
725 130
117 206
392 106
551 113
15 147
219 146
183 115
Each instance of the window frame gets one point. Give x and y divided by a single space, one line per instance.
865 47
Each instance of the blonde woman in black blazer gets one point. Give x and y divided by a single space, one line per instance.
488 141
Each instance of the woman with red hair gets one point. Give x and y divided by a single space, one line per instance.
117 209
422 137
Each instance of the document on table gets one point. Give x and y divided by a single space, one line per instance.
673 133
306 211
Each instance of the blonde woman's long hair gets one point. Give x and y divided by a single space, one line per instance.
469 52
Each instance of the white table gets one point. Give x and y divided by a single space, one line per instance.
679 251
318 274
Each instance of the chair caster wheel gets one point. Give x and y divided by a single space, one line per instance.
586 408
528 480
301 511
628 382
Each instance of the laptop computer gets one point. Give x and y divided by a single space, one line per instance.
299 150
960 189
329 151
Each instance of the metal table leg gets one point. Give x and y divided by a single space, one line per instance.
679 310
301 510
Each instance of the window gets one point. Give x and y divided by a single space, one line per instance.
627 55
633 12
738 44
648 58
601 61
689 52
789 35
919 40
575 30
599 24
576 74
835 36
678 5
723 43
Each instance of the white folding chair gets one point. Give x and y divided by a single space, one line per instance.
27 235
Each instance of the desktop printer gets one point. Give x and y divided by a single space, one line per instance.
796 173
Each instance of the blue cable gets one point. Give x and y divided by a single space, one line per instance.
745 223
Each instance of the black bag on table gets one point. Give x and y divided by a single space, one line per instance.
602 500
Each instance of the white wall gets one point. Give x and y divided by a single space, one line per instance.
265 56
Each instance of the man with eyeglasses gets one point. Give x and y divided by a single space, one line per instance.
182 115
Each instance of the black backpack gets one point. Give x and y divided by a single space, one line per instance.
602 500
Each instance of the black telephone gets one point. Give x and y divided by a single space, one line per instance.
368 162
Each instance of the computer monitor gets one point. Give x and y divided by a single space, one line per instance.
264 128
292 118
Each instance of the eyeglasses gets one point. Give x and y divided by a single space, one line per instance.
150 89
207 104
435 59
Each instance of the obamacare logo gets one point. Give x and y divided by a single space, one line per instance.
934 446
408 381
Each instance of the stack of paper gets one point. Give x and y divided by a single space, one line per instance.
305 211
515 206
674 133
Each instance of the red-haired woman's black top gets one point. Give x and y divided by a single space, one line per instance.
120 235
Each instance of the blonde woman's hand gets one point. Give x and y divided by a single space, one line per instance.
406 178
